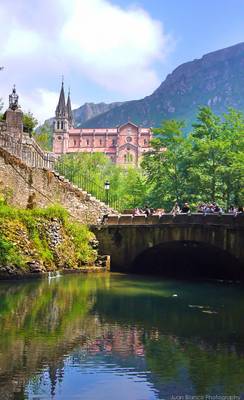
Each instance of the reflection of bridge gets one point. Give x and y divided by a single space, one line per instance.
209 239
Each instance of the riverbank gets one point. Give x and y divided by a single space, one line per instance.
39 241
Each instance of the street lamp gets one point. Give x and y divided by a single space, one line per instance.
107 187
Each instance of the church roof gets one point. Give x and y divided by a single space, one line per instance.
61 109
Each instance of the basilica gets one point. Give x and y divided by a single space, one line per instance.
124 144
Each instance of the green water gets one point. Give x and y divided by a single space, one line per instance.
120 337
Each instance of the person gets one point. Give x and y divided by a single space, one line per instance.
159 211
137 211
185 209
147 210
232 209
104 219
217 209
176 209
201 208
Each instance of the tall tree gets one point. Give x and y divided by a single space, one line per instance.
232 171
207 153
166 166
217 156
43 136
29 122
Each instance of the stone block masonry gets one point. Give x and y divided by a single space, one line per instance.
26 187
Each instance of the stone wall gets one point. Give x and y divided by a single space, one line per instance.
27 187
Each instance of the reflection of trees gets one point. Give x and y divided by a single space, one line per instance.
42 323
209 346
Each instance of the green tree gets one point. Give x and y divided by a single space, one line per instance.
207 152
232 171
166 167
43 136
91 170
29 122
216 156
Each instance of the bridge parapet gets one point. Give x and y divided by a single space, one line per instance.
181 219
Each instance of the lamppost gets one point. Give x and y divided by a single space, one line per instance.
107 187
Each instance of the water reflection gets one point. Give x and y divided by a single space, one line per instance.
89 337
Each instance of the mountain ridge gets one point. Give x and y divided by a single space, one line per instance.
216 79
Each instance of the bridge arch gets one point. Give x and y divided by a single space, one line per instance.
125 238
188 259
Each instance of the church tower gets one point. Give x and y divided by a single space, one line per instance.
69 112
61 124
61 114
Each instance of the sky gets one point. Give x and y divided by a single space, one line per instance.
107 50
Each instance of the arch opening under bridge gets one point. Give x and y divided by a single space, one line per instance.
188 260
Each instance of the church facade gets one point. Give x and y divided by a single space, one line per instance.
123 145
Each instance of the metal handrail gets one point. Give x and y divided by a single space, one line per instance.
85 182
27 150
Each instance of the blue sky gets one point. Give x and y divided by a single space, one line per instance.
108 50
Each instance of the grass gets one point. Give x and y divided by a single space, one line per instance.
73 251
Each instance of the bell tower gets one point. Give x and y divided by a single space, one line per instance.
61 125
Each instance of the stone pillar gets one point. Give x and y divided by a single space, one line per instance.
14 122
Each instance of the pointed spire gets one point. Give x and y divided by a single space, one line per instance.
69 110
61 107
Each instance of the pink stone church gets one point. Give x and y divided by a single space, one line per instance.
124 144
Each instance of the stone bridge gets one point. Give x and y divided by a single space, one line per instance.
196 245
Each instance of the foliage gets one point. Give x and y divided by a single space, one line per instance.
81 236
9 255
29 122
207 166
24 235
91 170
43 137
166 166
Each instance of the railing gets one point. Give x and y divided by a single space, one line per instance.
32 155
85 182
27 150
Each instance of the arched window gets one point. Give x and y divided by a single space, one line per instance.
58 125
62 124
87 142
125 158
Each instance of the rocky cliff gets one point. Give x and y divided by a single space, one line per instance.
91 110
34 242
88 111
217 80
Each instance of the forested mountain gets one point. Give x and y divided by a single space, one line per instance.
217 80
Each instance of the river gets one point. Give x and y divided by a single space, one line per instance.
122 337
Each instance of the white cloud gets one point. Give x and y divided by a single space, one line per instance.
21 42
41 103
113 46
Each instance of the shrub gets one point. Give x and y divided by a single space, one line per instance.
9 255
81 236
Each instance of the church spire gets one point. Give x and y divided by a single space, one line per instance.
61 110
69 110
